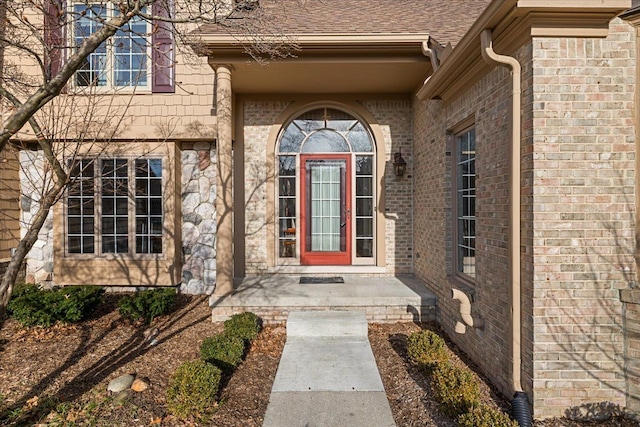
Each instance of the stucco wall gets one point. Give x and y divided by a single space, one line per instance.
394 119
578 208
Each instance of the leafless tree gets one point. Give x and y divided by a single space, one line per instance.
44 84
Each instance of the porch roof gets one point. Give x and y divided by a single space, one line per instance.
355 46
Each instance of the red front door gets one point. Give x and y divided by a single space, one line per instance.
325 209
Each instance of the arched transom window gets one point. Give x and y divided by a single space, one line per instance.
326 189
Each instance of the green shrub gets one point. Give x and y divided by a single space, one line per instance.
223 350
485 416
32 306
147 305
193 389
244 325
457 389
426 349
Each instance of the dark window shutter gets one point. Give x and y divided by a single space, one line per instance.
54 35
163 52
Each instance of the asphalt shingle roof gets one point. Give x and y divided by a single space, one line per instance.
445 20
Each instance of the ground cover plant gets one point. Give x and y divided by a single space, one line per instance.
33 306
57 376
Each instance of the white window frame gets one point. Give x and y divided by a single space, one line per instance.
462 270
110 63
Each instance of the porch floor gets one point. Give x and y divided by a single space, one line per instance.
382 299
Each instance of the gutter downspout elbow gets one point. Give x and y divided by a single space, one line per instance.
465 311
490 56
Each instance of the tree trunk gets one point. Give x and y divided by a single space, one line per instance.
24 246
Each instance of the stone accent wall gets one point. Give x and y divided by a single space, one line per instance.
198 218
583 207
394 118
39 261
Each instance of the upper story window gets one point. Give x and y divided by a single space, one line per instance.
122 61
464 204
140 56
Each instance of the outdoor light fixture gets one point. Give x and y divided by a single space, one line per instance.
399 164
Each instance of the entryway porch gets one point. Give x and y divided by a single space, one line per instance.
382 299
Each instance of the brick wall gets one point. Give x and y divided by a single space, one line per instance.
394 118
631 325
488 102
582 202
577 198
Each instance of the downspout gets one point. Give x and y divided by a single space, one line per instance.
520 402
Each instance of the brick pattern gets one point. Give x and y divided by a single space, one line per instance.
377 314
395 120
577 196
488 101
631 324
582 205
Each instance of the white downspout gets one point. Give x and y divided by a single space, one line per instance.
491 57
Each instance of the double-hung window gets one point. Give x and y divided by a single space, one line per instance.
115 206
123 61
465 203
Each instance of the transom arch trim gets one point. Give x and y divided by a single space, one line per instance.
297 108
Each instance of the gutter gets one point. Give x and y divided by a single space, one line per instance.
520 404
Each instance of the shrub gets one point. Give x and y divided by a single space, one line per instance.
244 325
147 304
426 349
485 416
32 306
193 389
457 389
223 350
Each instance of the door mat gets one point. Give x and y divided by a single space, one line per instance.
315 280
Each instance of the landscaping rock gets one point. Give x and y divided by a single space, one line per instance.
140 385
121 383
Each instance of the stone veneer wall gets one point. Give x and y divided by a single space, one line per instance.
198 218
39 261
577 218
581 151
394 118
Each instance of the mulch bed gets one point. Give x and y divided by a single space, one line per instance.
58 376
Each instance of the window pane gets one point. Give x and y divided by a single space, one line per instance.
360 139
149 206
325 141
465 202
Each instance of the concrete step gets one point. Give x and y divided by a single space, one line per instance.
327 324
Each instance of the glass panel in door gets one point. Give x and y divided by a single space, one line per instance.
326 210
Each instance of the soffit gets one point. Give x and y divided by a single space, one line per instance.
355 46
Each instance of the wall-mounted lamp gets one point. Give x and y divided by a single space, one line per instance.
399 164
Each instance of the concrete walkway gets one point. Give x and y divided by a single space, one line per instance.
327 376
